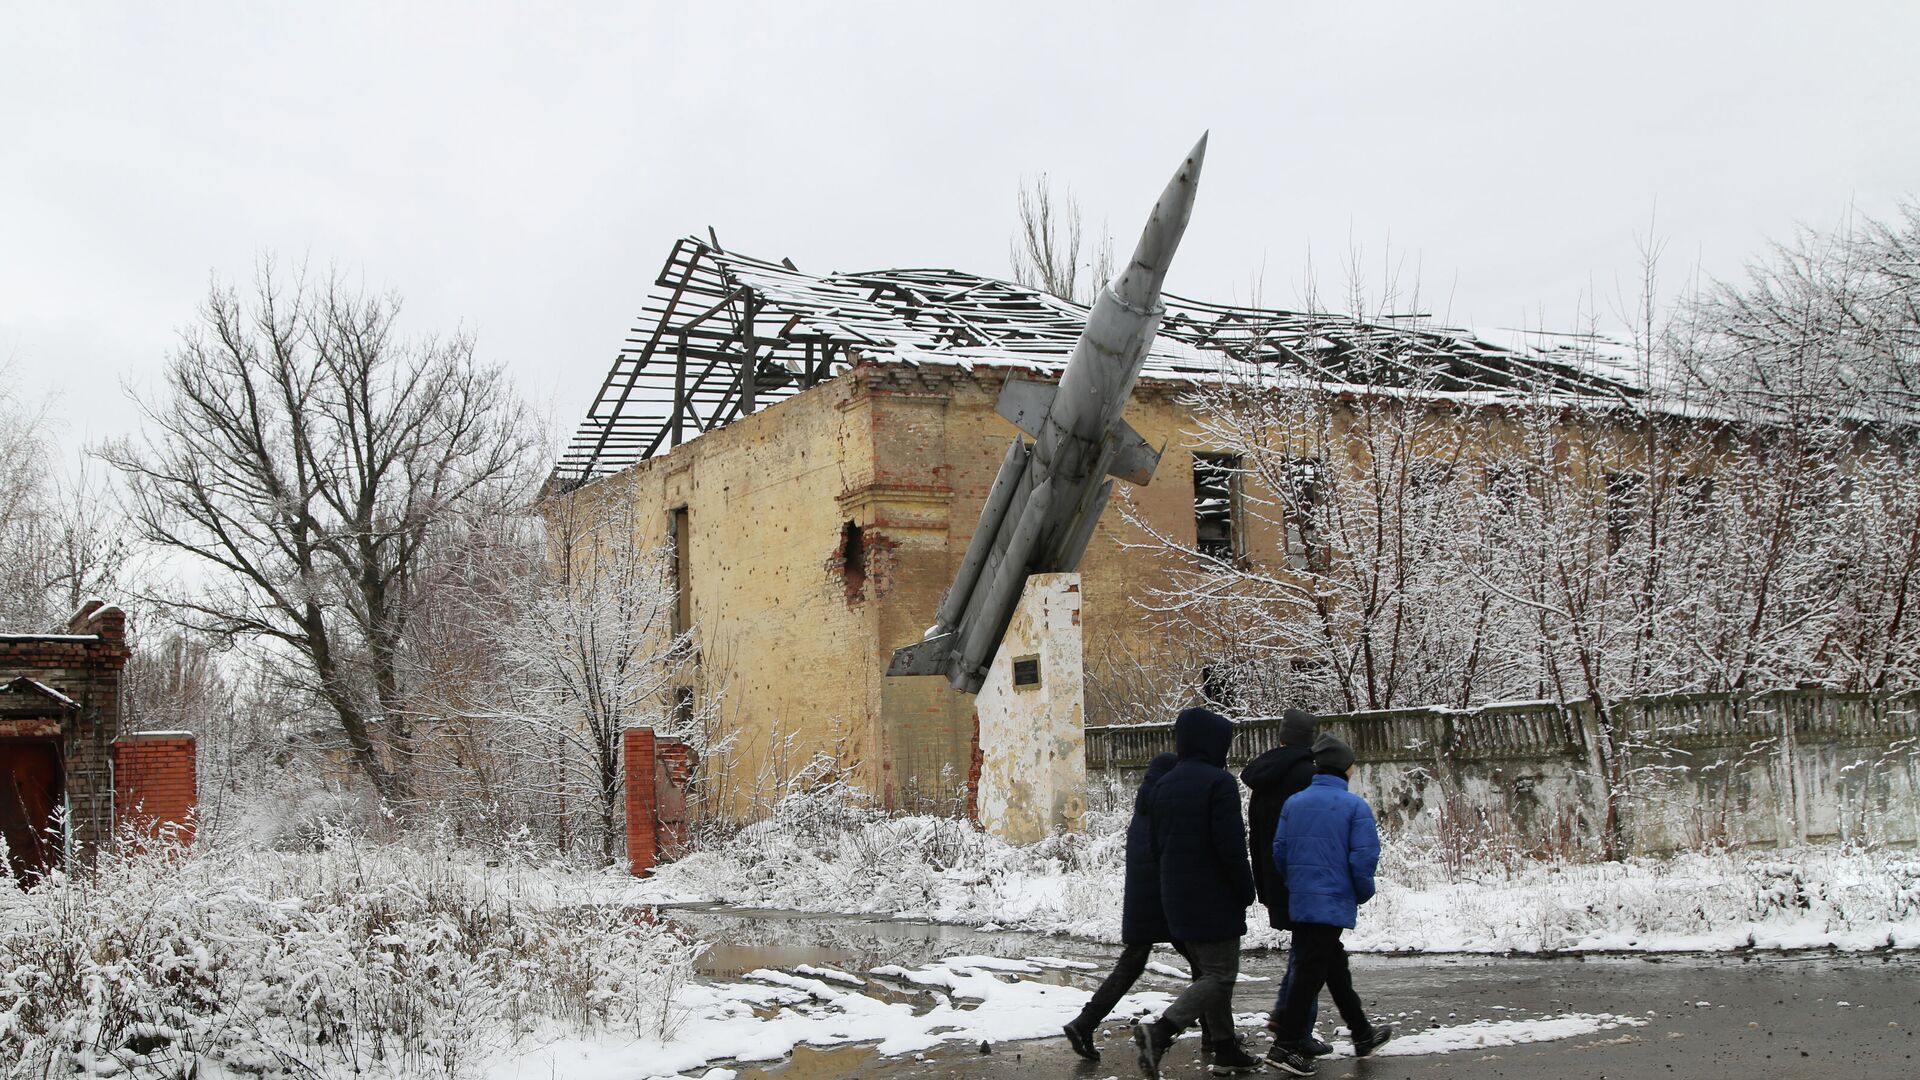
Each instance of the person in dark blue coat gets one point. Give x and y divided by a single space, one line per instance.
1328 848
1206 883
1143 922
1272 779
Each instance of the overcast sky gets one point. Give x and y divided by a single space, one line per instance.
524 169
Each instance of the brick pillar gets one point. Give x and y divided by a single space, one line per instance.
642 804
155 784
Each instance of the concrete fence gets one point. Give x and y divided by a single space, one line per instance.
1771 768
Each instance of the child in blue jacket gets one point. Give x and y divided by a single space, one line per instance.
1326 848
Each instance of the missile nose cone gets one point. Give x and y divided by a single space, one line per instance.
1139 281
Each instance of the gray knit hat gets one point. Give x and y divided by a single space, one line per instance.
1331 756
1297 727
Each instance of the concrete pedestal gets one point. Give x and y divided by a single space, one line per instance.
1030 714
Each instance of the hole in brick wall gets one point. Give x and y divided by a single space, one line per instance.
853 560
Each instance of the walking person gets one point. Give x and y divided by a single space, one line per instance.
1328 848
1273 778
1143 921
1206 883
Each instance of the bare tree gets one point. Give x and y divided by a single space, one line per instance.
24 467
1753 523
60 542
304 454
1047 247
575 619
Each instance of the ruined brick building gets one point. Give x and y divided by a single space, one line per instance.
62 751
815 451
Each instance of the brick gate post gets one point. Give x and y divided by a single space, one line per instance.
643 842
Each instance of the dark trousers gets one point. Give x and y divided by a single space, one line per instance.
1209 1000
1322 961
1126 971
1287 983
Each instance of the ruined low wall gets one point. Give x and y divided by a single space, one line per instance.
1773 769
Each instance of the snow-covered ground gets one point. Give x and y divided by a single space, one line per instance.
815 858
416 959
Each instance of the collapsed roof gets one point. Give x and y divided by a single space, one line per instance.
724 334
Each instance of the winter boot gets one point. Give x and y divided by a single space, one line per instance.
1288 1060
1152 1038
1232 1059
1080 1037
1374 1040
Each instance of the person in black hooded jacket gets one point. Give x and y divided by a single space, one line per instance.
1206 883
1143 921
1273 778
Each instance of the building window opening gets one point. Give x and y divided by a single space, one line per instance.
1695 496
1625 499
1506 487
1300 498
680 572
1216 505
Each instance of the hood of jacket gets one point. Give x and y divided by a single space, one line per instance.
1271 768
1202 734
1156 769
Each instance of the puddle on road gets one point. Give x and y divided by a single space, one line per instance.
732 959
808 1063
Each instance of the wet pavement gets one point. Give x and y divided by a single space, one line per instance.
1761 1014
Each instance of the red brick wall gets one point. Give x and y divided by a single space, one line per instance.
642 835
155 785
657 774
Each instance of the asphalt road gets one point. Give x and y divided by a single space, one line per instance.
1755 1015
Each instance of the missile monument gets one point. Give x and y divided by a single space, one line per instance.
1039 517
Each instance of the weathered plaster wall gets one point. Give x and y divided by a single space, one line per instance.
780 643
824 531
1033 761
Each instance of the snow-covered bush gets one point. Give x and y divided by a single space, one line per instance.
824 852
354 959
834 850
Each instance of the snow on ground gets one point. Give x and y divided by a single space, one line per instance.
1481 1034
401 960
377 960
963 1000
815 858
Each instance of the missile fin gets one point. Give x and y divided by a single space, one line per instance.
926 657
1133 458
1026 403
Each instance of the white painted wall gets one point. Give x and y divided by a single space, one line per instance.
1033 770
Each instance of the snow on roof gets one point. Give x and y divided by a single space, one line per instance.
683 371
25 685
